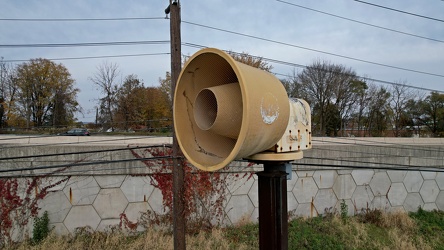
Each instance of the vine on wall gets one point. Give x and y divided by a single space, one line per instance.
19 204
204 195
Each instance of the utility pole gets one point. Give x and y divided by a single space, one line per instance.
178 172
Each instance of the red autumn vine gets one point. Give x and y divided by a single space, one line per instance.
204 193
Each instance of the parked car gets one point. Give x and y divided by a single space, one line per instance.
76 132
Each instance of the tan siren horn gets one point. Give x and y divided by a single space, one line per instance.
226 110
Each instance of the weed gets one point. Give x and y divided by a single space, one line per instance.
41 228
247 234
344 210
312 233
430 226
397 232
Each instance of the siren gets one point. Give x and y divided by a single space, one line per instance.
226 110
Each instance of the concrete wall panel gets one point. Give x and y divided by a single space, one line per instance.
110 203
99 191
82 216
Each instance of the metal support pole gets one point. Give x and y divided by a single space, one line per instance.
273 210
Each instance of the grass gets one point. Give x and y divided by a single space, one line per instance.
370 230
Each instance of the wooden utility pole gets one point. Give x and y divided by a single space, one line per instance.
178 171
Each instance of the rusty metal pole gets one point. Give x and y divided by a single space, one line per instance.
178 171
273 209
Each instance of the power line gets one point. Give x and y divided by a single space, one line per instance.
93 57
361 77
377 144
88 44
439 170
360 154
81 152
310 49
78 164
168 146
374 163
80 19
305 67
72 143
214 28
199 46
401 11
363 23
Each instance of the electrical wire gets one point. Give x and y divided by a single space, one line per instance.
311 167
378 144
93 57
75 143
313 50
439 170
401 11
193 45
78 164
87 44
373 163
318 148
56 45
80 19
360 154
71 172
264 58
363 23
80 152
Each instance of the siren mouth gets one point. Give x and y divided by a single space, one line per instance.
205 109
219 110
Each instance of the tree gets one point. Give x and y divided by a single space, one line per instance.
8 90
292 86
400 94
412 113
157 108
378 111
127 110
432 113
139 106
45 93
105 81
165 86
253 61
362 100
323 84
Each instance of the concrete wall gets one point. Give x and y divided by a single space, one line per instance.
400 178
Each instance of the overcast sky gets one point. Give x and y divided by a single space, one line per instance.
289 31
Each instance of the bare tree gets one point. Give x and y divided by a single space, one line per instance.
292 86
105 81
8 90
377 110
324 84
347 91
400 94
362 103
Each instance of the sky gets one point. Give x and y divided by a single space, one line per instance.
375 42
